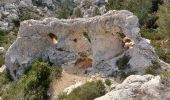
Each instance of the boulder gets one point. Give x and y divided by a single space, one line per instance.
4 25
63 41
136 87
3 68
2 50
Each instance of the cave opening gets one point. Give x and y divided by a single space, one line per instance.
53 38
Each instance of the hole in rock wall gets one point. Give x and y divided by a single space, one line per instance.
53 38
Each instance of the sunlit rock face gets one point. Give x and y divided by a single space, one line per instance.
99 38
137 87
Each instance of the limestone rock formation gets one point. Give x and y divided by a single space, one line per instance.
62 41
136 87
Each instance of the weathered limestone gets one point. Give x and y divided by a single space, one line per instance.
136 87
98 37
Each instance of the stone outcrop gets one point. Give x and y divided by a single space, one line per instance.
136 87
62 41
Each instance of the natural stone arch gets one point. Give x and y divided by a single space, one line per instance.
33 42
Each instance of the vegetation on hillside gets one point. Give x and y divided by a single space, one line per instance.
34 85
88 91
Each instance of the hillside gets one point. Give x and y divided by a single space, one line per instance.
84 49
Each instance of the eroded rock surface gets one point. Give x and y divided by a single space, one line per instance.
136 87
62 41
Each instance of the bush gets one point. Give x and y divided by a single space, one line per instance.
4 80
165 78
124 75
65 10
56 71
62 96
153 69
27 13
108 82
16 23
141 8
122 62
150 70
2 60
88 91
77 13
3 37
33 85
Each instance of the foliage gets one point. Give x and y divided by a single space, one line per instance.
34 85
62 96
122 62
165 75
27 13
88 91
150 70
153 69
124 75
77 13
66 9
4 79
165 78
56 71
163 21
16 22
140 8
2 60
108 82
160 37
155 5
3 37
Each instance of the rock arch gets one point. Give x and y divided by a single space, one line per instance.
104 42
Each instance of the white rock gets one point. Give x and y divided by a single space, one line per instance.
5 13
2 50
4 25
69 89
3 68
146 87
12 17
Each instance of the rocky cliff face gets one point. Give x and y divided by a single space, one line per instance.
136 87
104 38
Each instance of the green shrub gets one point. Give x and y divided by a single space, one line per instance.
165 77
124 75
33 85
26 14
16 23
3 37
122 62
108 82
77 13
141 8
56 71
65 10
2 60
4 80
150 70
62 96
88 91
153 69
